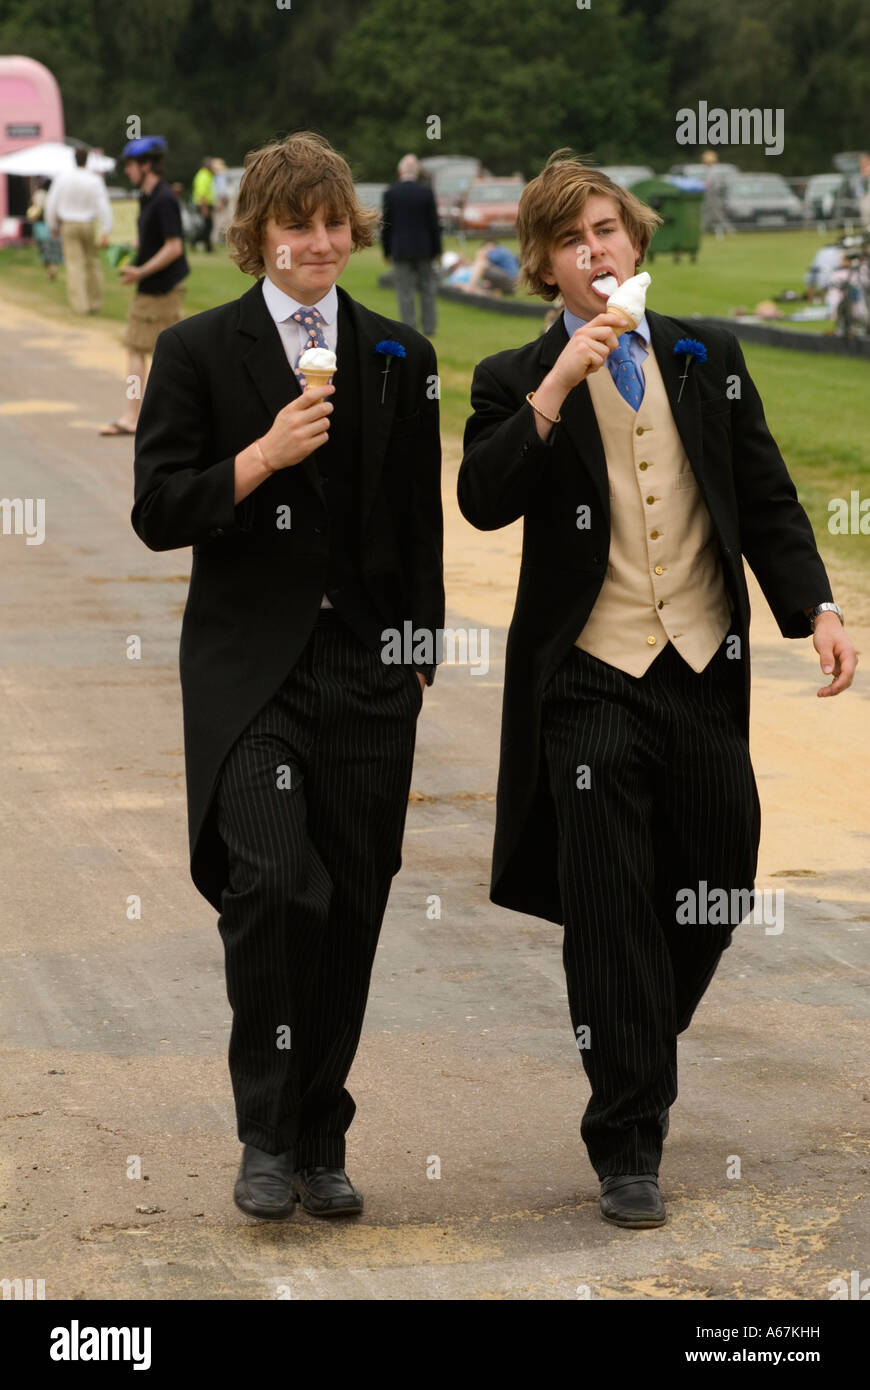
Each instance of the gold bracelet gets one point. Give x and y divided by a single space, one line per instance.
262 457
552 421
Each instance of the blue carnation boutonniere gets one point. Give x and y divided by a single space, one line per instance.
389 349
692 349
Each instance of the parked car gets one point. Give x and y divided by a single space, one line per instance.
490 207
699 172
848 161
371 195
451 177
627 174
830 198
762 200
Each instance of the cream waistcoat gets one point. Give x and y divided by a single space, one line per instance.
664 581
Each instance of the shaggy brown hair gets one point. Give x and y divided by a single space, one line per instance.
551 204
290 179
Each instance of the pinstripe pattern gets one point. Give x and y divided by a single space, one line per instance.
671 801
310 873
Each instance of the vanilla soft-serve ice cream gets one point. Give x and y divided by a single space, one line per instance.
317 365
629 300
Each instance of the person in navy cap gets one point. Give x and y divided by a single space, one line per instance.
158 272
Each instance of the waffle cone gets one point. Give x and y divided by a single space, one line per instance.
629 322
316 376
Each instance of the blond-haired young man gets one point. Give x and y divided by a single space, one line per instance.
625 781
315 520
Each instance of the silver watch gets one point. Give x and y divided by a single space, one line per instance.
826 608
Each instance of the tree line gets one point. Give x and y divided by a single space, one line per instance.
507 80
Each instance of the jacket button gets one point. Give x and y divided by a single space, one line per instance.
526 447
318 530
596 559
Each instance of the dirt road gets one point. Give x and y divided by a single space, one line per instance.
118 1149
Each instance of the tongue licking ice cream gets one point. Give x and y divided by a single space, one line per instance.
629 300
605 284
317 366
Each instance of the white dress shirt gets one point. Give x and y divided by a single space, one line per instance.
293 336
78 196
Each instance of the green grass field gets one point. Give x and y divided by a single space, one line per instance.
816 407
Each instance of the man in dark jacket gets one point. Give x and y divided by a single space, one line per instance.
411 238
314 513
626 799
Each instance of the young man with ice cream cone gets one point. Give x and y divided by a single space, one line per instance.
313 507
625 788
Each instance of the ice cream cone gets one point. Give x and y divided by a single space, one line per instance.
315 376
629 301
629 322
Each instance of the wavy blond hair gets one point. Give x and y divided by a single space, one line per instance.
550 205
289 179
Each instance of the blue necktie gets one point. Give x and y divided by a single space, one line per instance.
312 321
627 376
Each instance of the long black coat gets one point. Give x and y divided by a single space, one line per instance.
410 230
508 472
217 381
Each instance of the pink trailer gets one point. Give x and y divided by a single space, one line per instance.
31 111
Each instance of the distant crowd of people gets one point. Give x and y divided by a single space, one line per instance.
71 221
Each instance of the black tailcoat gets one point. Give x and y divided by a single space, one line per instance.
508 472
217 381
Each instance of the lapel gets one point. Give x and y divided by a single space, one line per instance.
664 333
274 380
579 421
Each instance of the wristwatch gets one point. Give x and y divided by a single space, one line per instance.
826 608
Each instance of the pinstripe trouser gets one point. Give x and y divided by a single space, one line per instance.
311 805
670 801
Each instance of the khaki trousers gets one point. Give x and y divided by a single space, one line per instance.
84 281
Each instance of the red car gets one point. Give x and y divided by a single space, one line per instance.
490 207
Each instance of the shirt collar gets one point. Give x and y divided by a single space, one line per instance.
572 323
146 197
281 305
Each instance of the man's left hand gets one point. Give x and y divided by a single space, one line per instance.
130 274
837 655
422 680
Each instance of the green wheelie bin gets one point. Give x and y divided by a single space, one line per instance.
681 230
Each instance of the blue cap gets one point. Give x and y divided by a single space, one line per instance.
147 144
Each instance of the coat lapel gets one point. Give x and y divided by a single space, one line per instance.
376 419
268 368
686 411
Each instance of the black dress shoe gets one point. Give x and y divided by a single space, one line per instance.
327 1192
264 1186
632 1200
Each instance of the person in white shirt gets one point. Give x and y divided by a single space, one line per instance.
74 202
